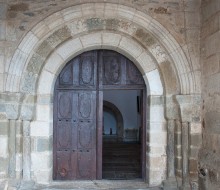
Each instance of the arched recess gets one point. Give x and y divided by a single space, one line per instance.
109 107
46 49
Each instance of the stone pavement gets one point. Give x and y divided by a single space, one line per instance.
82 185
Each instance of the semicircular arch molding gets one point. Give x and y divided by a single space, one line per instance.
158 47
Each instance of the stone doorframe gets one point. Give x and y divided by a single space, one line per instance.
46 49
110 107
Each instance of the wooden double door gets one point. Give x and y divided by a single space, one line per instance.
78 110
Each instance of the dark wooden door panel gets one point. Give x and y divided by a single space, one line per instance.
77 146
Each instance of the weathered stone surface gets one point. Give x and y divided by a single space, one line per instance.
27 112
35 64
44 144
28 83
12 111
4 127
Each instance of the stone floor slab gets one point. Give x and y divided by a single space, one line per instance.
90 185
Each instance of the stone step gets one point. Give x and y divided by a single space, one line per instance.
120 175
136 184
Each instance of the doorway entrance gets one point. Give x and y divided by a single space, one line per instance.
78 111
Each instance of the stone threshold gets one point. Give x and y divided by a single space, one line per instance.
81 185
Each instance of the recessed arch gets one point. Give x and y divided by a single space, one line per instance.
38 60
159 41
110 107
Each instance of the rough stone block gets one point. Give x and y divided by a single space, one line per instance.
2 30
212 121
4 146
153 80
44 99
63 34
157 114
54 20
130 47
211 65
125 12
178 163
43 177
4 128
195 140
146 63
212 45
3 10
88 10
43 113
44 49
92 40
110 39
192 20
194 151
35 64
3 164
41 161
18 162
214 176
154 140
68 49
28 43
44 144
27 112
46 80
70 13
193 165
156 177
19 144
41 129
195 128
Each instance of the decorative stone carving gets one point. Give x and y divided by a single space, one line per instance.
28 83
12 111
35 64
44 49
63 33
77 26
27 112
53 40
159 53
144 37
127 27
95 24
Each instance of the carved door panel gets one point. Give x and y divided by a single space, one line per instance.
116 71
75 135
77 138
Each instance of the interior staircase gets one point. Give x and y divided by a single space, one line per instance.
121 160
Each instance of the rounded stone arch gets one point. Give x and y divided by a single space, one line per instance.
147 31
110 107
39 58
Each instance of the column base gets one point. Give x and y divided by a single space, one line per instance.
170 184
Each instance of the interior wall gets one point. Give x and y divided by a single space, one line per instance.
209 160
126 102
109 123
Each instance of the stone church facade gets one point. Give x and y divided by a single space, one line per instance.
174 44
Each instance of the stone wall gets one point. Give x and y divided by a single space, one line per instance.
209 160
37 38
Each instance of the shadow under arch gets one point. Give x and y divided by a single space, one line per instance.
110 107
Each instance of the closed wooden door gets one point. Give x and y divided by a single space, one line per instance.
75 120
78 110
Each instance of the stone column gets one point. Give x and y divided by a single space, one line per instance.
170 149
185 155
26 151
12 148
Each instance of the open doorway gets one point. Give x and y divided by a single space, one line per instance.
122 119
